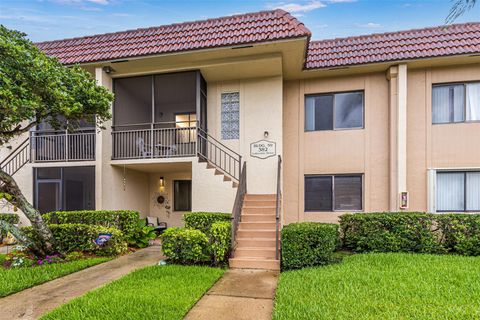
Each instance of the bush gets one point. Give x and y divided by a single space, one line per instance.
461 233
142 235
203 220
185 246
124 220
80 237
10 218
220 241
308 244
391 232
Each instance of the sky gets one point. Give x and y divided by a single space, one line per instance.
44 20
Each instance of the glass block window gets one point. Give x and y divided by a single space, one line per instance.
230 115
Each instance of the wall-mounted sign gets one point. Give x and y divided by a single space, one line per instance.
404 200
263 149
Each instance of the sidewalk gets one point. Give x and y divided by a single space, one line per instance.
32 303
239 295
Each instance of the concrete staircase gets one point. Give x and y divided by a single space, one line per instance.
255 237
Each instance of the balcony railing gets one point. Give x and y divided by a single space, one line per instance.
128 142
56 146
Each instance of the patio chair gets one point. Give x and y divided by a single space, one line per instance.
144 149
155 222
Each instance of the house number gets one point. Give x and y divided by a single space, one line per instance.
263 149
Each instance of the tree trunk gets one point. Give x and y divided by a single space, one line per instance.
45 245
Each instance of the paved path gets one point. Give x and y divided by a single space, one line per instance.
239 295
32 303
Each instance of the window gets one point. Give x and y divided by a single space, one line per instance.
456 102
334 111
186 121
182 195
69 188
458 191
333 193
230 115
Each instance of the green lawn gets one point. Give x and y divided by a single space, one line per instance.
383 286
157 292
18 279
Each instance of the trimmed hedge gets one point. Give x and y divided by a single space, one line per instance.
124 220
185 246
308 244
411 232
220 241
80 237
203 220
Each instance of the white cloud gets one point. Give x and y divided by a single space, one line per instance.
297 7
104 2
369 25
341 1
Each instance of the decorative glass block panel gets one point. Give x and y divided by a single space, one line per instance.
230 115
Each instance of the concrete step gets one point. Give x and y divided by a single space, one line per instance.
210 166
254 263
218 172
234 184
256 197
227 178
259 203
265 253
258 217
258 210
260 233
257 225
255 242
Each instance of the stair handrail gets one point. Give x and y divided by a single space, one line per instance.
278 208
17 158
238 204
222 157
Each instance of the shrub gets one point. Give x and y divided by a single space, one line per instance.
74 256
461 233
142 235
10 218
308 244
220 241
80 237
203 220
124 220
185 246
391 232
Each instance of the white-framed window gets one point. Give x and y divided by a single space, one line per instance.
342 192
230 115
458 191
455 102
334 111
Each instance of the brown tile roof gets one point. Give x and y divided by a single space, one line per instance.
226 31
456 39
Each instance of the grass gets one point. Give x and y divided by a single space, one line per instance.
383 286
18 279
156 292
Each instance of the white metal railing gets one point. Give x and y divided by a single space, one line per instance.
131 143
55 145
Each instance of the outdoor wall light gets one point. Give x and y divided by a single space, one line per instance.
108 69
265 134
162 182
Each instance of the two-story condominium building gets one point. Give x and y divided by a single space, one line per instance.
381 122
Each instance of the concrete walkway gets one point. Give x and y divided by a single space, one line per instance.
32 303
240 295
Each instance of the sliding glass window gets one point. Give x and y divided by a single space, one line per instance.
457 102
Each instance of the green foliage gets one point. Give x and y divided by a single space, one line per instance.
80 237
203 220
142 235
185 246
377 286
35 86
152 293
125 220
220 241
17 279
74 255
18 259
461 233
308 244
10 217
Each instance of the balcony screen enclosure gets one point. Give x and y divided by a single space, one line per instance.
156 115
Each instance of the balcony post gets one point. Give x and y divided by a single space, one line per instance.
66 145
151 141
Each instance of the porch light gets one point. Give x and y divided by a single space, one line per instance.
162 182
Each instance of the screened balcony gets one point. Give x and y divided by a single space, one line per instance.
156 116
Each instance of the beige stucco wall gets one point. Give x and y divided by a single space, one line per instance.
260 111
362 151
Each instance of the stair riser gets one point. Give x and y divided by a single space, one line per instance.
257 243
258 218
258 210
264 254
257 225
255 234
247 264
260 197
259 203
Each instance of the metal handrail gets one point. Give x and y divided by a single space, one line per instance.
17 158
277 208
238 204
62 145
